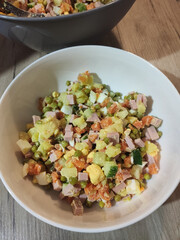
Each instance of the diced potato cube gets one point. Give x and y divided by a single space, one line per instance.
100 144
112 151
24 146
151 148
133 187
79 122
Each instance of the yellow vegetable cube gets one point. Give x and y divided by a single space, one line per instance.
102 133
133 187
100 144
151 148
112 151
95 173
81 146
141 108
24 146
132 119
69 154
80 122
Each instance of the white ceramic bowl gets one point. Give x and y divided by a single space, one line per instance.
122 71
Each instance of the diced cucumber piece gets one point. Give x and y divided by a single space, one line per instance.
110 169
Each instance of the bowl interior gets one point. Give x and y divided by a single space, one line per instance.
123 72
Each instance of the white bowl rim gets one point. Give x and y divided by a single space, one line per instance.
100 229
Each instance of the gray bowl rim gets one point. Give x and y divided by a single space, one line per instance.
63 17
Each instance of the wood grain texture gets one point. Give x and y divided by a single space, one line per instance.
151 30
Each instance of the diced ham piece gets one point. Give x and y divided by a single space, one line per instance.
53 157
35 119
73 116
113 137
126 174
70 190
68 136
147 136
93 118
77 207
83 197
68 128
141 98
61 195
82 106
57 185
139 142
50 114
68 133
111 194
133 104
152 133
70 99
150 159
156 122
82 176
28 155
119 187
130 143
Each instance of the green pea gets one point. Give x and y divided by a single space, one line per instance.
88 204
97 107
64 144
147 176
48 162
135 131
52 168
37 144
87 91
101 204
63 179
123 156
54 105
108 158
73 180
110 115
138 135
81 87
106 140
77 153
112 94
99 114
55 94
115 99
48 99
143 149
83 184
159 133
104 85
68 83
34 148
118 94
46 109
60 104
37 155
132 135
109 104
118 145
111 185
117 198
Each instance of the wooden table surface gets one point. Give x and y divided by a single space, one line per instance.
151 29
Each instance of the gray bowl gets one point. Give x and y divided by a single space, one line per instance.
51 33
